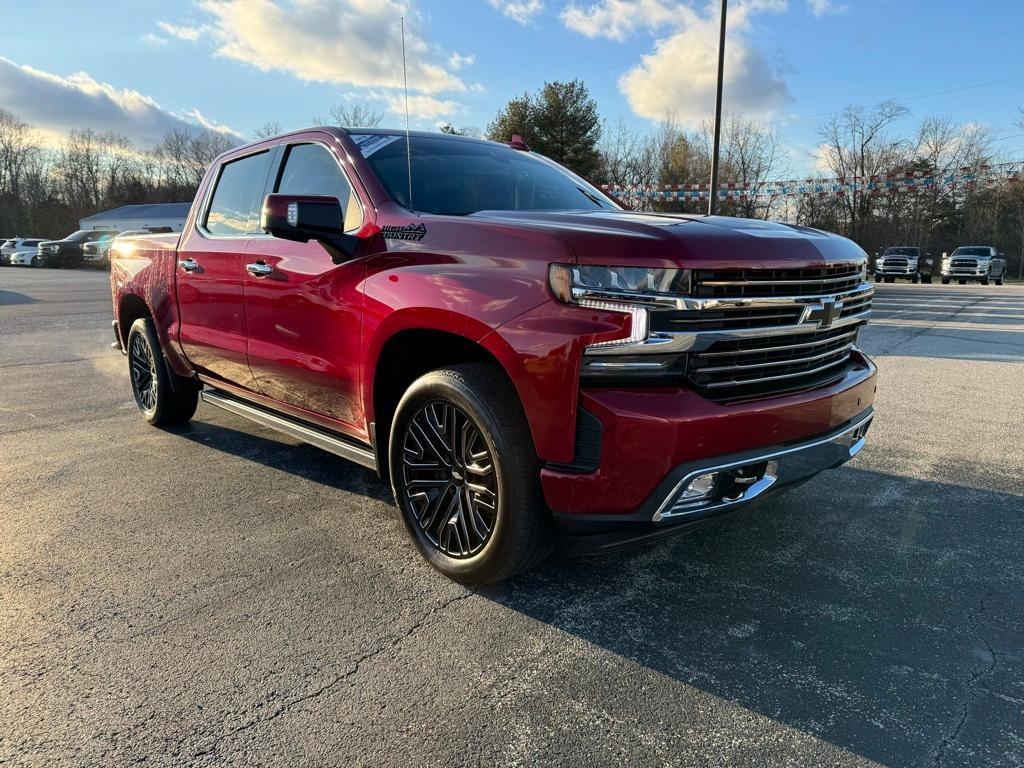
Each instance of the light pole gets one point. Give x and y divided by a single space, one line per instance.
713 199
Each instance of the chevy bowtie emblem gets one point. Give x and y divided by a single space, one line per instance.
825 313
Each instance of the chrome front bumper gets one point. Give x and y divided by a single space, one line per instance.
766 471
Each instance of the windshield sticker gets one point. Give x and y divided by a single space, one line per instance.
406 232
369 143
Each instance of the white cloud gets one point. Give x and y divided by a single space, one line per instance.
616 19
341 42
189 34
522 11
56 104
421 106
154 40
822 7
457 61
679 75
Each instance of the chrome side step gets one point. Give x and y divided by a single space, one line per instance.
307 433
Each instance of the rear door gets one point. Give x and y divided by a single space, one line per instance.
211 265
304 314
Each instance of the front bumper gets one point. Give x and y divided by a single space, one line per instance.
778 469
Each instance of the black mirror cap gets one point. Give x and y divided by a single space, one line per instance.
303 217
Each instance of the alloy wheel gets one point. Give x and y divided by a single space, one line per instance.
143 369
449 479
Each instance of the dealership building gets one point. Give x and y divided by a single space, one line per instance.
128 217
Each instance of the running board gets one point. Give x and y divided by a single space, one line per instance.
307 433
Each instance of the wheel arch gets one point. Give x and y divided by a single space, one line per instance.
405 356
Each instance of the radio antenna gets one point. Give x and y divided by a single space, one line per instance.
408 140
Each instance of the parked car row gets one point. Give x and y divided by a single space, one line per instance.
19 251
978 263
86 247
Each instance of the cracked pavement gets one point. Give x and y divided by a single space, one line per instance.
221 595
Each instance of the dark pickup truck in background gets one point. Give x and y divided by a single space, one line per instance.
903 262
523 359
68 252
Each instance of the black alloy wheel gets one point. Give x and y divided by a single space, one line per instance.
466 476
142 363
449 479
164 398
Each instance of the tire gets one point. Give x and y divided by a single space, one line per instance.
984 281
915 279
474 537
34 262
162 404
945 281
927 280
999 281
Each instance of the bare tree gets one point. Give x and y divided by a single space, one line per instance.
351 116
268 129
857 145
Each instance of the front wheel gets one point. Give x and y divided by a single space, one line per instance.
915 279
466 476
999 281
945 281
162 404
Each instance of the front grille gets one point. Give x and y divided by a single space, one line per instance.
675 321
895 263
854 305
964 263
771 365
742 283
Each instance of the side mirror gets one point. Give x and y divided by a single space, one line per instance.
303 217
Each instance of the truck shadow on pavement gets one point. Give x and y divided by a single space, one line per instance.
865 609
279 453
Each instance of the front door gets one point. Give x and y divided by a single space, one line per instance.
210 269
302 309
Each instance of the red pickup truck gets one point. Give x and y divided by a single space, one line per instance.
526 361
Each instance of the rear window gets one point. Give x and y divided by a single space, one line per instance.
237 198
458 177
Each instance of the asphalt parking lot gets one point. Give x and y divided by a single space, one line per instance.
220 595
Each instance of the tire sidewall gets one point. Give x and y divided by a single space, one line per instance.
439 387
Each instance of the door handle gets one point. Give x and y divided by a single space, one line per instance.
259 269
189 265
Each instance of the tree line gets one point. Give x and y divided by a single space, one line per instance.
45 190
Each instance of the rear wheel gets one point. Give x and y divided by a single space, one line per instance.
945 281
35 261
162 404
999 281
466 477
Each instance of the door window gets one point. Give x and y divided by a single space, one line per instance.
235 207
310 169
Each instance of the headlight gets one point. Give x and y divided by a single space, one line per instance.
618 289
573 284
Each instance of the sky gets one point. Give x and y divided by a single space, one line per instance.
141 68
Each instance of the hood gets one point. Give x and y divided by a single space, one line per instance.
693 242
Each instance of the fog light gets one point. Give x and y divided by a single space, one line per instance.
701 487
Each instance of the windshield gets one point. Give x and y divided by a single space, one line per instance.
981 251
901 252
456 177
